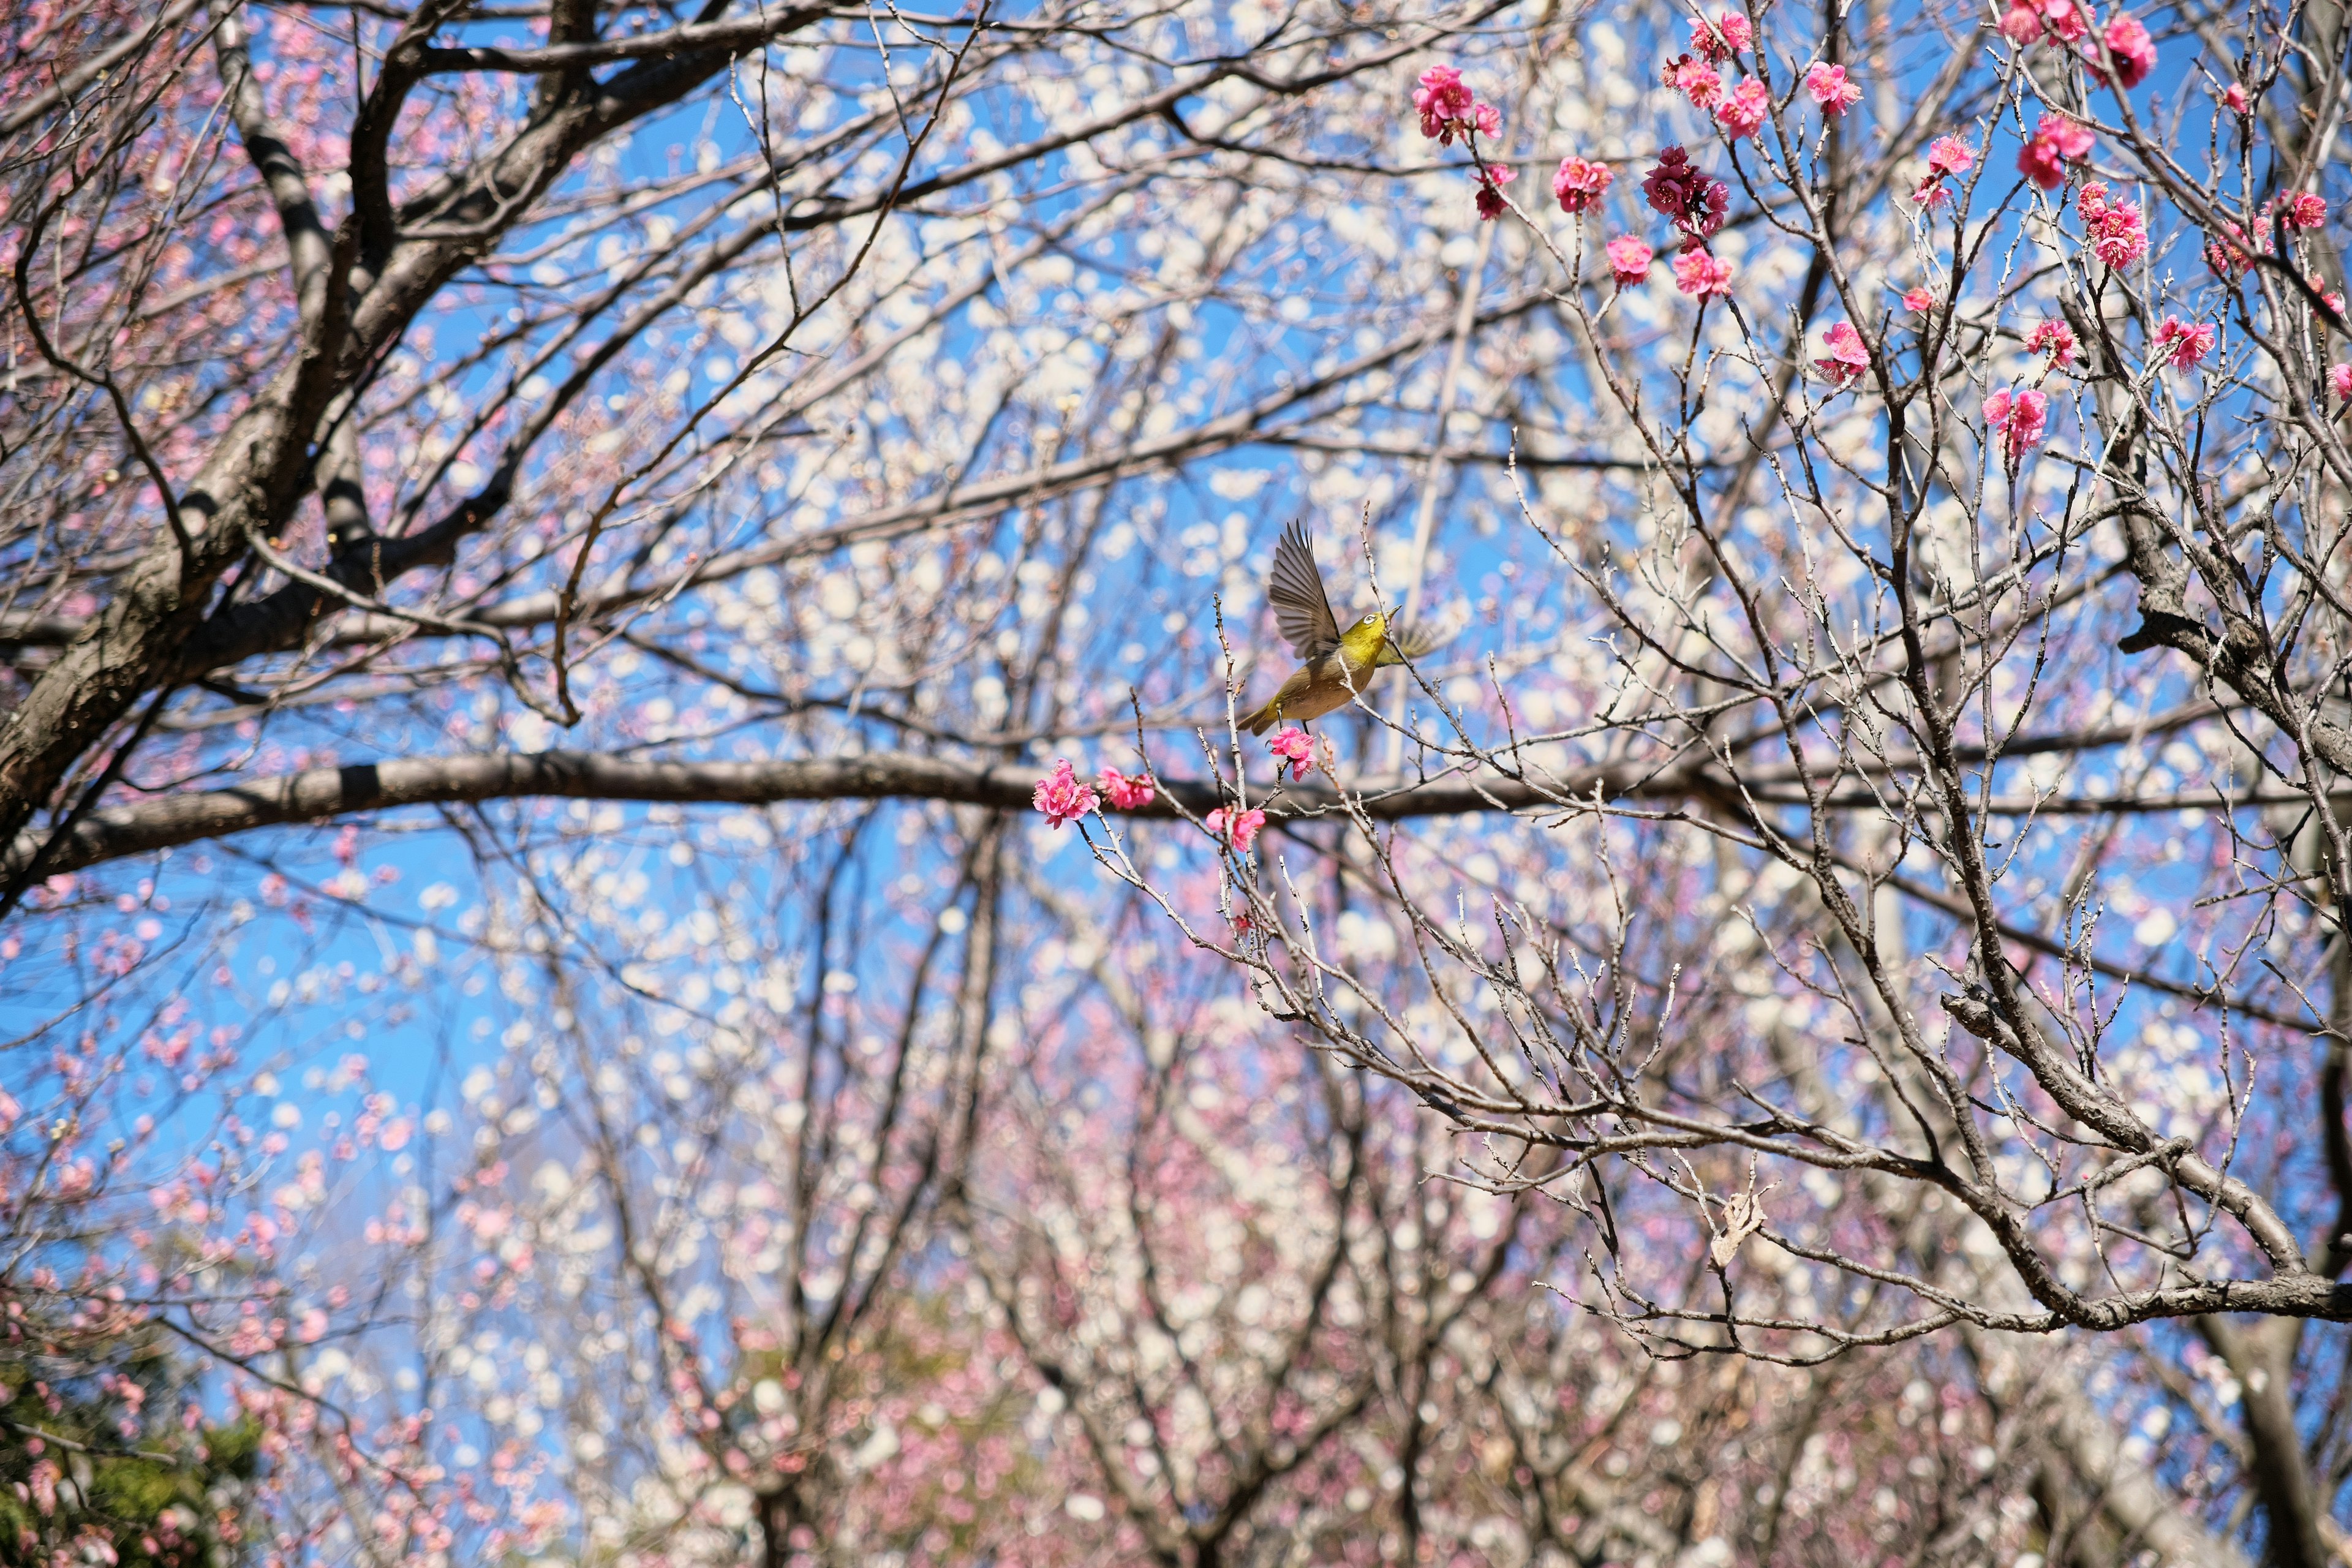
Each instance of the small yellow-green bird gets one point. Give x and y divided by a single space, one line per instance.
1335 664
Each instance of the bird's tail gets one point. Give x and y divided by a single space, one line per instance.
1259 722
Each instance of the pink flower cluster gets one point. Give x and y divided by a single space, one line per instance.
2226 254
2056 142
1695 204
2299 209
1918 298
1695 80
2056 339
1061 796
1296 752
1127 793
1730 34
1449 110
1948 156
1491 178
2339 382
1701 273
2030 21
1237 829
1629 261
2118 235
1848 358
2021 418
1832 89
2130 48
2123 44
2184 343
1743 111
1580 183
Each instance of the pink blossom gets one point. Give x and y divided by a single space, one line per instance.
2119 237
1128 794
1700 272
1444 103
2060 19
2227 255
1831 88
2303 209
2339 382
1629 261
1730 35
1491 178
1297 751
1580 183
2021 25
1918 298
2056 339
1061 794
1239 830
2132 49
1949 155
2021 417
2234 98
1674 187
1743 114
2056 142
2184 343
1848 357
1695 80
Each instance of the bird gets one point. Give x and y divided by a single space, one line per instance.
1334 665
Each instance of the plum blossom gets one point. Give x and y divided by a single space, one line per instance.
2133 51
2184 343
1730 35
1296 752
2021 417
1832 89
1448 109
1444 103
1848 357
2056 339
1491 178
1580 183
2030 20
1696 203
2056 142
2303 209
2339 382
1918 298
1699 272
1238 828
1695 80
2234 98
1128 793
1947 156
2118 235
1629 260
2226 254
1062 795
1743 113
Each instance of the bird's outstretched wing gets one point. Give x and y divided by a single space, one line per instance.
1295 588
1415 639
